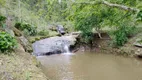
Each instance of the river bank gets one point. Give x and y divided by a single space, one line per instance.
105 46
20 65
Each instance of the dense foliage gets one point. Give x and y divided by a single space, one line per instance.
139 16
97 16
7 42
43 33
2 20
86 25
26 28
122 34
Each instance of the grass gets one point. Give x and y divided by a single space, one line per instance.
32 39
19 66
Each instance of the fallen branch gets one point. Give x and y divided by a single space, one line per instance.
120 6
111 5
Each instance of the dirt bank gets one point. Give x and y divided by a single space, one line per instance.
104 45
20 65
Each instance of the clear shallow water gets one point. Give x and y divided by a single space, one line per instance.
91 66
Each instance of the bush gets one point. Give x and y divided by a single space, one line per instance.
139 16
120 38
26 28
86 25
122 34
7 42
19 26
43 33
2 20
30 30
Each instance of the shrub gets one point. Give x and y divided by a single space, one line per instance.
26 28
43 33
19 26
122 34
120 38
7 42
139 16
86 25
30 30
2 20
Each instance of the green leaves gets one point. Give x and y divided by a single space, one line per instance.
120 36
86 25
26 28
123 32
2 20
139 16
7 42
2 2
43 33
89 16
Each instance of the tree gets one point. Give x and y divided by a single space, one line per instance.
100 13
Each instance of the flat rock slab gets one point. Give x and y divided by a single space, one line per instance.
138 43
52 45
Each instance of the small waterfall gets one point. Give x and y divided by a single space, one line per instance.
67 51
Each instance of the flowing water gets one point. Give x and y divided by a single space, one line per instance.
67 51
91 66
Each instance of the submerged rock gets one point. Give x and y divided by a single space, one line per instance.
53 45
138 53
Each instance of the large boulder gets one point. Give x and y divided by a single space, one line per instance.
53 45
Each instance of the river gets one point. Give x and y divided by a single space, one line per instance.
91 66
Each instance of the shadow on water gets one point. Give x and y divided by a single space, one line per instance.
91 66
